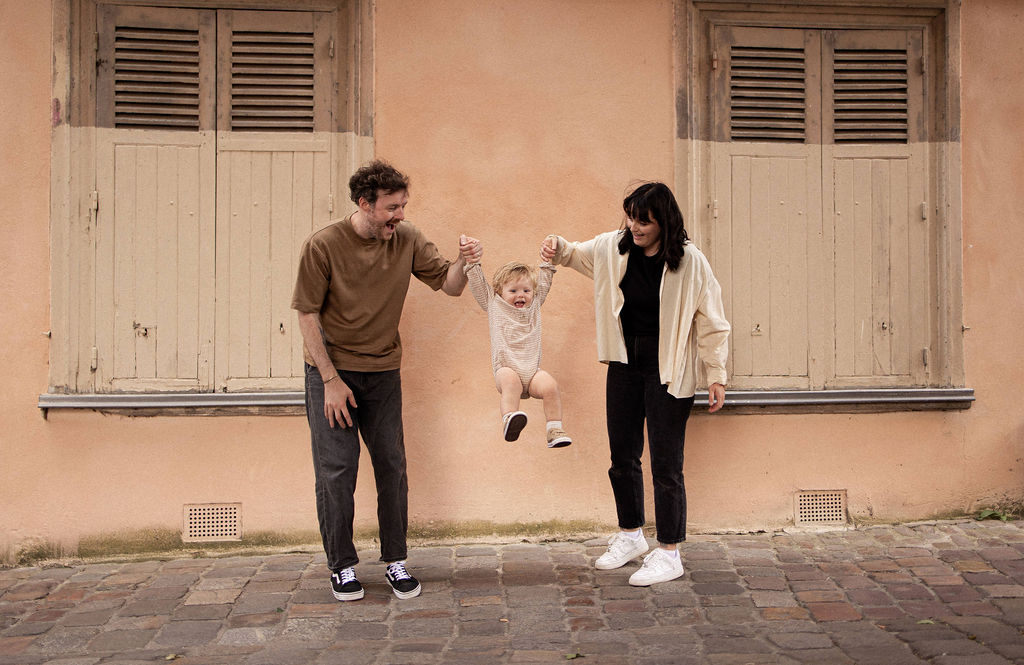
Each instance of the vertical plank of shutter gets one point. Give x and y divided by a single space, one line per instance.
239 258
117 285
881 218
260 265
776 241
863 240
189 269
900 269
799 245
165 267
145 261
760 294
741 246
844 243
282 233
306 174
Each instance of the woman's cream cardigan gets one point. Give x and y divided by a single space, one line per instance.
692 318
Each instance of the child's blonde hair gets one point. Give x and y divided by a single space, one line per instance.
513 271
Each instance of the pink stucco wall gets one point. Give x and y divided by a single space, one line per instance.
514 120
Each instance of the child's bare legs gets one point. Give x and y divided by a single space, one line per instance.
543 386
510 388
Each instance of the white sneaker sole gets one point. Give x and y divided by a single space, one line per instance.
405 595
661 578
345 597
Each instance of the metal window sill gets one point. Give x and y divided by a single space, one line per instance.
737 401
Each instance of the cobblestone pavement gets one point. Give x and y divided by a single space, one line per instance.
947 593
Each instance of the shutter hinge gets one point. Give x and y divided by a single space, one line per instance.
330 203
925 356
96 42
714 209
924 210
94 359
714 60
330 47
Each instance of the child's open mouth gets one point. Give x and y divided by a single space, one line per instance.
520 303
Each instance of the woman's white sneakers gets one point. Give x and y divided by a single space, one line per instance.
659 566
621 550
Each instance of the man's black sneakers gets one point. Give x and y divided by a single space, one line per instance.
345 585
404 584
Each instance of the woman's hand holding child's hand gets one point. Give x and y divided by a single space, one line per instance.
548 247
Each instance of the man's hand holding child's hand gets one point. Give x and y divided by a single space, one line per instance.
470 249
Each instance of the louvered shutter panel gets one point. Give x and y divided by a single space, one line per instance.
870 103
276 71
873 86
768 97
155 68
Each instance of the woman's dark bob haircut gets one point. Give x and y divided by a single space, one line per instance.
654 201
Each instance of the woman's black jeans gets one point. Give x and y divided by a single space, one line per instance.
336 463
634 393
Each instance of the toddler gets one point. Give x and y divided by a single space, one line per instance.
513 314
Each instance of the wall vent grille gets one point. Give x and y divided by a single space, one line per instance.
820 507
210 522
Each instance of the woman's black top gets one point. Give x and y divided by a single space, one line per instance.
641 286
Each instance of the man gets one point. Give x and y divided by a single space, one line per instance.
352 281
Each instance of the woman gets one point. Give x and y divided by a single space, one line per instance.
659 312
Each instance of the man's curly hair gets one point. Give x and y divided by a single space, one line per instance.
377 176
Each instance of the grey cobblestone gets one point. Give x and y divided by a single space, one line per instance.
945 593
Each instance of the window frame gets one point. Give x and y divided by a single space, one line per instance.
73 268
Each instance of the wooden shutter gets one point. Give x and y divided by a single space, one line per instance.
876 228
767 199
155 200
274 171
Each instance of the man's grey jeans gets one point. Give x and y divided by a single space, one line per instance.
378 418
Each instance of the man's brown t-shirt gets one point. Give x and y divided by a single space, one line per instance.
358 287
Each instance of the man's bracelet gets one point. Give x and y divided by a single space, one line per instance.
331 379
